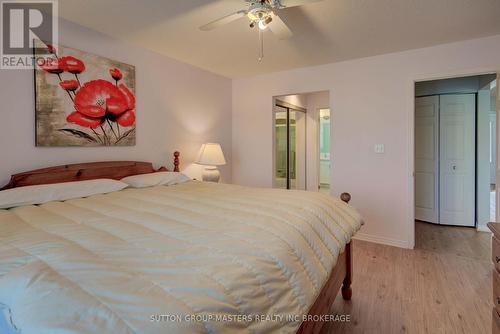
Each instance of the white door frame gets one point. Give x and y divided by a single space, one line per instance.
411 136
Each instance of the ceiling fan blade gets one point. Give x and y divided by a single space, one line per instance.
279 28
293 3
223 20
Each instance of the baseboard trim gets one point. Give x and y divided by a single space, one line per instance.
381 240
482 228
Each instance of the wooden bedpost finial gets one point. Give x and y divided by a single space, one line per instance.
346 197
176 161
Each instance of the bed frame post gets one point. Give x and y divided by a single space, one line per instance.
176 161
346 285
346 197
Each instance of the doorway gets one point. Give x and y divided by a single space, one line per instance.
301 141
455 136
324 150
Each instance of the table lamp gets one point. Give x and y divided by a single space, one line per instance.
211 156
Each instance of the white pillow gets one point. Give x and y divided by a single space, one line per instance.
57 192
155 179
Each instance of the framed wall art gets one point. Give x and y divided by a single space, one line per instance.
82 99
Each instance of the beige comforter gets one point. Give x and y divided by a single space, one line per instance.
190 258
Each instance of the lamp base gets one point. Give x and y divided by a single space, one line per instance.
210 174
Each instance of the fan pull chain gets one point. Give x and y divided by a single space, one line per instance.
261 42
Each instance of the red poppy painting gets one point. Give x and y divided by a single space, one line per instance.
83 99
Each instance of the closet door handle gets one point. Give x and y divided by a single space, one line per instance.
454 167
497 259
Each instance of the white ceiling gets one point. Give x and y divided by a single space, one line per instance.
324 32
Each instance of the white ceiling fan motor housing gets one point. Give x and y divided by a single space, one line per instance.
259 11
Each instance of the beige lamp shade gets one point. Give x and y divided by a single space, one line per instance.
211 155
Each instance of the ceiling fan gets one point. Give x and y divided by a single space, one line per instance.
262 14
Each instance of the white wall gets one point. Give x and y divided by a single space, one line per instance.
372 101
178 108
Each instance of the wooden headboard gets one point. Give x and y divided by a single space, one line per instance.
85 171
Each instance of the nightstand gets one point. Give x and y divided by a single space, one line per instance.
495 256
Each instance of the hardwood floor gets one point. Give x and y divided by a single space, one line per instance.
442 286
460 241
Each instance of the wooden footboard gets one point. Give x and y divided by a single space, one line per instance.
341 275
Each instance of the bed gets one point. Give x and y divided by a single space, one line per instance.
194 257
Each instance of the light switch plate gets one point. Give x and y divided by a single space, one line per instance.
379 148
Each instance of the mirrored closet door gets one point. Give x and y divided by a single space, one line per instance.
289 146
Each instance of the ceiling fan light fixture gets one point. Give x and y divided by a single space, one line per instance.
264 22
261 13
